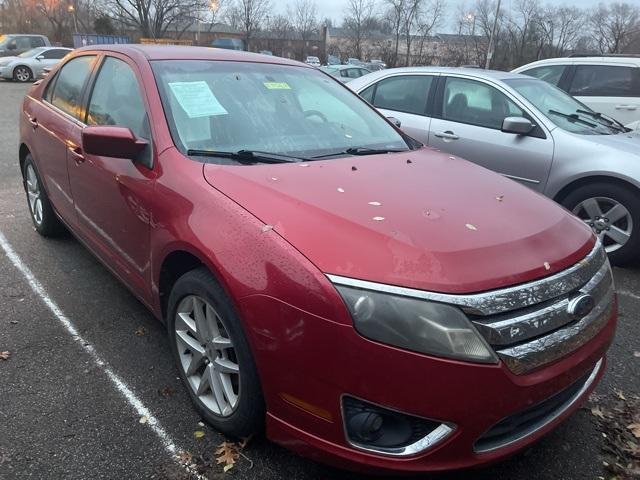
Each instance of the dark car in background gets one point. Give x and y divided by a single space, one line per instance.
15 44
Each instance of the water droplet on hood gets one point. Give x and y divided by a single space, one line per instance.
375 204
340 189
471 227
378 219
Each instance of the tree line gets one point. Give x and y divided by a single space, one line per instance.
400 31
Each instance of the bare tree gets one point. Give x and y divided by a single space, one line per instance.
252 14
615 26
360 16
152 18
305 20
395 17
429 18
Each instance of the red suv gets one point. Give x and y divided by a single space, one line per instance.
373 303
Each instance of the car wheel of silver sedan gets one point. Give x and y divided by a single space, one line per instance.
213 356
613 213
22 74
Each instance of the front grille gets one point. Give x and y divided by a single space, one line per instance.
527 422
537 328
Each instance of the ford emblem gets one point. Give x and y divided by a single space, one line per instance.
581 306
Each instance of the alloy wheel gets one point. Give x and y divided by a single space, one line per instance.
207 355
22 74
609 219
33 195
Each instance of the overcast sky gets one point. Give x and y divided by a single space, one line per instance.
334 9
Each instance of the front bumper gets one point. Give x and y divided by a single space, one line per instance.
6 73
332 360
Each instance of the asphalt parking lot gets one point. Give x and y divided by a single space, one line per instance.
87 362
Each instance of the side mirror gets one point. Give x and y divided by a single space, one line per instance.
115 142
395 121
517 125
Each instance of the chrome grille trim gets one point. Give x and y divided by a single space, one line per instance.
507 329
501 300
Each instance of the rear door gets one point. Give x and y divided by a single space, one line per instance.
467 122
612 89
405 97
51 120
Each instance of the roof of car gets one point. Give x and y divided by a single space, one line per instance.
580 59
476 72
175 52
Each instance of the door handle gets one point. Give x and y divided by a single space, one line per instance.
448 135
76 153
33 121
626 107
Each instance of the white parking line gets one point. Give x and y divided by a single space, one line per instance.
131 398
627 293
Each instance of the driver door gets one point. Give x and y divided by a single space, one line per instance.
468 124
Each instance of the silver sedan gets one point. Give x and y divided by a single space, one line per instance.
526 130
30 65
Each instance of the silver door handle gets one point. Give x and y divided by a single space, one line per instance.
449 135
626 107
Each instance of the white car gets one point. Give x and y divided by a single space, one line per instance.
30 65
313 61
609 84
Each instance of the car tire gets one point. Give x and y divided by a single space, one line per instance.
618 229
44 218
22 74
247 416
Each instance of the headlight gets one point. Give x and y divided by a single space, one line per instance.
415 324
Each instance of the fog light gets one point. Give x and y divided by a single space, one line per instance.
378 429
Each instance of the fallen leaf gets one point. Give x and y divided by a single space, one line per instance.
635 429
636 354
198 433
471 227
184 457
266 228
375 204
547 266
166 392
227 454
143 419
597 412
619 393
500 198
5 355
141 331
340 189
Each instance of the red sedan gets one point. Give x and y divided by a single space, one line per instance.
373 303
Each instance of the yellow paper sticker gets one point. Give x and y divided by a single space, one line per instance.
277 85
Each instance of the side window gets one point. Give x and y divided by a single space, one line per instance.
67 92
475 103
605 81
354 73
116 99
36 42
549 73
23 43
54 54
406 93
367 94
345 72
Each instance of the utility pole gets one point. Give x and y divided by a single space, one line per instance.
492 38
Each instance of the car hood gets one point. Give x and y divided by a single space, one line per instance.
419 219
626 142
8 60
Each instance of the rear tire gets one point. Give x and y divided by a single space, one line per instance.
213 356
44 218
613 212
22 74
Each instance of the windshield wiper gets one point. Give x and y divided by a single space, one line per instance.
361 151
609 122
573 117
246 156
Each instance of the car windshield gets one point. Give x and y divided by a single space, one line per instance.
562 109
3 40
288 110
31 53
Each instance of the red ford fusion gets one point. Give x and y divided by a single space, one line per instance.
369 302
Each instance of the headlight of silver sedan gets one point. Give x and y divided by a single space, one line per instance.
415 324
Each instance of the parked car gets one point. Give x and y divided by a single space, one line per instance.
609 84
15 44
313 61
228 43
526 130
333 60
380 63
373 67
317 269
31 64
345 73
266 52
354 61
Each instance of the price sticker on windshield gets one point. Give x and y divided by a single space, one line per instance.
277 85
197 99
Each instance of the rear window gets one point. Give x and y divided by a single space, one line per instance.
605 81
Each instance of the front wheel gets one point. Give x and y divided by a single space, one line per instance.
22 74
613 213
213 355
